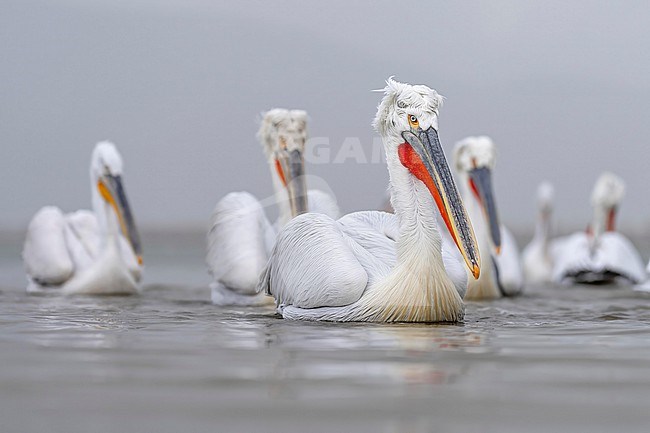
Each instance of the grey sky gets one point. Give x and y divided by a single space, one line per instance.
562 87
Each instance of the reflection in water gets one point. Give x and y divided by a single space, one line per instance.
358 354
558 358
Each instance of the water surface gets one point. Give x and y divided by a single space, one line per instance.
556 359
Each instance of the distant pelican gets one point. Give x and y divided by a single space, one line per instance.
600 255
501 274
645 286
538 254
376 266
87 252
240 236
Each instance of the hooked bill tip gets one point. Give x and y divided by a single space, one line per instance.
498 250
476 271
140 261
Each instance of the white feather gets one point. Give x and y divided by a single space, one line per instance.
500 272
46 256
240 236
601 254
237 242
371 266
538 256
575 262
76 252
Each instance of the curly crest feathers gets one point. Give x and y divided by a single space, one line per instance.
418 98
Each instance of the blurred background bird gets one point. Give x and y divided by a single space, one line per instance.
241 236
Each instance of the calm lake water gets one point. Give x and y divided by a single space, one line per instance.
556 359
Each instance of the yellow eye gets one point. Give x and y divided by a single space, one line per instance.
413 121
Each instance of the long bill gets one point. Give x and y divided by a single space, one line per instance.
481 181
291 168
422 154
112 190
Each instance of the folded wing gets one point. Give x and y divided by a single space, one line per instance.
314 264
45 253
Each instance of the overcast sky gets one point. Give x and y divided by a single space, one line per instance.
562 87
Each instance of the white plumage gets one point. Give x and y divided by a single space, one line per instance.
240 237
375 266
87 252
601 254
538 257
645 286
501 274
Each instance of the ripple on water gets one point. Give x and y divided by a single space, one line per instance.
562 351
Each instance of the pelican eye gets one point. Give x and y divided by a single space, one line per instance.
413 121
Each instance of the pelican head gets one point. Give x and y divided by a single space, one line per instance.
545 198
106 177
283 134
407 118
606 196
475 158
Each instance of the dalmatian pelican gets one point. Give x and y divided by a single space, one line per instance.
372 265
537 257
475 159
600 255
241 236
87 252
645 286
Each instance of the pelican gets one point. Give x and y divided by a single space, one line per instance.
376 266
87 252
503 276
645 286
601 254
538 254
240 237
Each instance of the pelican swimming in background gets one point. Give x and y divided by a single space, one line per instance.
538 254
240 237
501 274
601 254
87 252
376 266
645 286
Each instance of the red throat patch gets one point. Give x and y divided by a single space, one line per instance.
412 161
278 168
474 189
